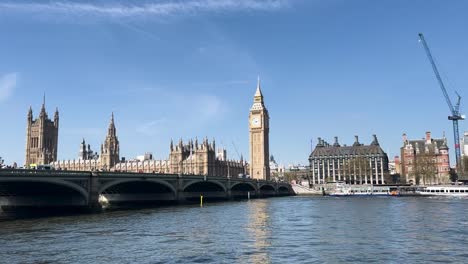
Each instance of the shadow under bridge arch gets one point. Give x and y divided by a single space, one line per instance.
211 190
267 190
27 194
283 191
243 190
141 191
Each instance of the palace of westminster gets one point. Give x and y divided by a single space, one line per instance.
355 164
192 157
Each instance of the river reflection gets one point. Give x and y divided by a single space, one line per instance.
259 230
276 230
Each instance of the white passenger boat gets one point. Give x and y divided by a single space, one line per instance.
443 191
342 189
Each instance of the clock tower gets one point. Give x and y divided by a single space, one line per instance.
259 138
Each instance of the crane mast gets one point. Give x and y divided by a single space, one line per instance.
455 114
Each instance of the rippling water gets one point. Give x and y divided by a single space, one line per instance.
277 230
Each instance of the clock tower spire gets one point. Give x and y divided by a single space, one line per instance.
259 137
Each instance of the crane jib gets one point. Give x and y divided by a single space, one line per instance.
454 110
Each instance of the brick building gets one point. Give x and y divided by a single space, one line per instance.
425 161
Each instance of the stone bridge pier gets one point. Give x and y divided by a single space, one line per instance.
95 190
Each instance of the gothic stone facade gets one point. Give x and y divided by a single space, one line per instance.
91 162
41 138
190 158
420 155
356 164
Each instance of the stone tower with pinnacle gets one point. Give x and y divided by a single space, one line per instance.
41 137
110 148
259 137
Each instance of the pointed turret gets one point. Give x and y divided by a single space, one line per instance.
43 113
375 142
258 92
56 117
110 150
111 130
258 97
30 114
82 153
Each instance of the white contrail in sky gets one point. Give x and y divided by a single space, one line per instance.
114 9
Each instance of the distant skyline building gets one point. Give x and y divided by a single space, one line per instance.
41 137
420 155
356 164
276 170
464 144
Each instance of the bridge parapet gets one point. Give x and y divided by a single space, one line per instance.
47 173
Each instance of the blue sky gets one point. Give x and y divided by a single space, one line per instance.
171 69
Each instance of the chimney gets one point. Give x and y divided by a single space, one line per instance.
356 141
336 144
428 137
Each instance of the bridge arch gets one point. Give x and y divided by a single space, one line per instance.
56 182
237 186
267 187
208 184
117 182
283 189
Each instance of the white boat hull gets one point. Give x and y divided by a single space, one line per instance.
452 191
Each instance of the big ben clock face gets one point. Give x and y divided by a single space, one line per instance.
255 121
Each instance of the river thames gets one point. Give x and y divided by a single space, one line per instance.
276 230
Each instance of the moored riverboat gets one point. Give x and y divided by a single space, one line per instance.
342 189
456 191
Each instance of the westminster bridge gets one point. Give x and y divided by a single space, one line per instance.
91 190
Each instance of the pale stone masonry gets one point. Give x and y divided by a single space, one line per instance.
41 138
184 158
356 164
110 154
259 137
193 157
